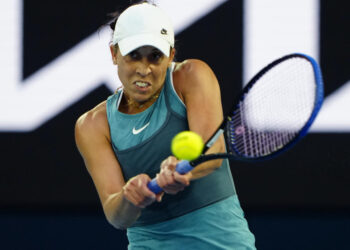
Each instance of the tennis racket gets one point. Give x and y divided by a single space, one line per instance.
274 111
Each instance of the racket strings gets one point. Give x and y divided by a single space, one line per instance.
274 110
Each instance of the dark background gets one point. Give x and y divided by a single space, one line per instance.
299 200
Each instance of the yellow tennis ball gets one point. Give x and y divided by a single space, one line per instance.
187 145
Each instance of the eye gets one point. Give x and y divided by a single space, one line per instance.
135 55
155 56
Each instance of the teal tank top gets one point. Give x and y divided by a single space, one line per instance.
142 141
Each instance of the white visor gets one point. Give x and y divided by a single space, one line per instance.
143 25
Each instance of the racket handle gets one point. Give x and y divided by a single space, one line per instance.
153 186
182 167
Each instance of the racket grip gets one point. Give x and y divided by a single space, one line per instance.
182 167
153 186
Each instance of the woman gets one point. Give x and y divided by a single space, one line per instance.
125 142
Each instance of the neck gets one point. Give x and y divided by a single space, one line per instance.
131 106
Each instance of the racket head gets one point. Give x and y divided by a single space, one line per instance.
275 109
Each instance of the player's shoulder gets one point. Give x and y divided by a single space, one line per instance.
191 74
92 121
191 67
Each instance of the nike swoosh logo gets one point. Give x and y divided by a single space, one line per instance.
137 131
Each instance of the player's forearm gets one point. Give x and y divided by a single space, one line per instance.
205 169
120 212
208 167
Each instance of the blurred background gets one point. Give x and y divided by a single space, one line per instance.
55 65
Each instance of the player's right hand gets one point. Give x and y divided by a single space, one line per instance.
137 192
171 181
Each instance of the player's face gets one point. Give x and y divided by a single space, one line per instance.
142 72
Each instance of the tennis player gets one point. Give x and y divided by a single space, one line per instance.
125 141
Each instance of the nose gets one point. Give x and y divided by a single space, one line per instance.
143 68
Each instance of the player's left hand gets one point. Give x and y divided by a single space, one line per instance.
169 180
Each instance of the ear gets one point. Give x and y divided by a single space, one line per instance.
171 55
113 50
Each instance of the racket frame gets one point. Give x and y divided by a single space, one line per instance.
221 129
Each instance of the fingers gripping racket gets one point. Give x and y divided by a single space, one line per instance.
274 111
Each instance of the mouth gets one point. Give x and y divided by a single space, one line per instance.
142 85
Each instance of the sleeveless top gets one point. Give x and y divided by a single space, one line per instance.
142 141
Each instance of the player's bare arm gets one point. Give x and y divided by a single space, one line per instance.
198 87
122 202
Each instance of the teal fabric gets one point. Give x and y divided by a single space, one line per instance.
152 118
219 226
155 116
145 152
